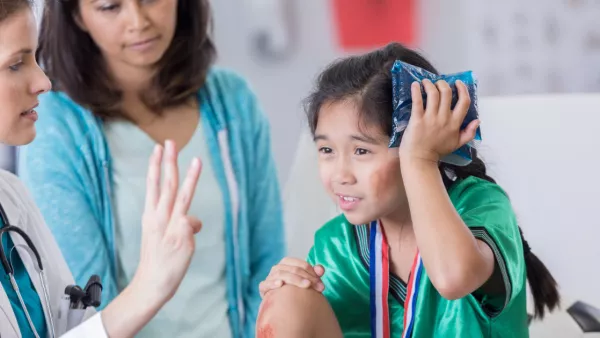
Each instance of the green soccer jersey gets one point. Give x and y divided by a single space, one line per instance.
343 249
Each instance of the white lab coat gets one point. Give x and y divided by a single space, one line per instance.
22 212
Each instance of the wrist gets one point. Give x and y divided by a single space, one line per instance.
417 163
143 293
127 314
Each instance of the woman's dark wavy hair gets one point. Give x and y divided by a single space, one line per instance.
367 80
75 65
9 7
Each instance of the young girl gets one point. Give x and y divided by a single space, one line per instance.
423 248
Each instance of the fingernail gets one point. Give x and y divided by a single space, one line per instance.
156 149
195 162
320 286
305 282
278 283
459 82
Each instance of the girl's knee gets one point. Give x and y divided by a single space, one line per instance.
290 303
294 312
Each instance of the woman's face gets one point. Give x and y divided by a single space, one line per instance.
129 33
21 79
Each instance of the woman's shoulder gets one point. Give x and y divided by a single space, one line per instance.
13 193
57 99
232 99
60 115
58 106
10 181
227 83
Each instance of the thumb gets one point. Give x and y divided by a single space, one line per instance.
468 133
186 225
195 224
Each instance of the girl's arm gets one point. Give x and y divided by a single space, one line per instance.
456 262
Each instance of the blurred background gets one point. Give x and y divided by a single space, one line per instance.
514 47
538 65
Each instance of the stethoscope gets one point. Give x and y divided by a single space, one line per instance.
8 268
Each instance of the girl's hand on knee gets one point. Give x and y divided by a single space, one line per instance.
293 271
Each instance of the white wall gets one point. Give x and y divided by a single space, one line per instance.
282 86
543 150
279 86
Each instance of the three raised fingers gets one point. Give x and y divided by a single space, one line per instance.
153 178
170 181
187 190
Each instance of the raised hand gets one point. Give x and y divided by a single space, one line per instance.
168 232
434 131
167 246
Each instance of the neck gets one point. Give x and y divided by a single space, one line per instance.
397 226
401 240
131 80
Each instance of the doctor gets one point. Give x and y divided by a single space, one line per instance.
30 294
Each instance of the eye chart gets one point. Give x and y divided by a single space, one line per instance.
534 46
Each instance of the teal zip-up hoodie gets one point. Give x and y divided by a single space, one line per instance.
67 170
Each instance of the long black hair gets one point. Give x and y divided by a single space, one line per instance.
367 79
74 63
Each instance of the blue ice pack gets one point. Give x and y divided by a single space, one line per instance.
403 75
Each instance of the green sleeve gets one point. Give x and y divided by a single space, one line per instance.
486 210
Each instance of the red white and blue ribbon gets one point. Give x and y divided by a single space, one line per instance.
379 273
410 303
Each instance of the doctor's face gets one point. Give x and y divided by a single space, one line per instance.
21 79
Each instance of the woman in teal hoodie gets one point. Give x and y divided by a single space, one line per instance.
127 75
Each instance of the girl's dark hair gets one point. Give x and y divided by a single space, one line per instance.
366 79
9 7
75 65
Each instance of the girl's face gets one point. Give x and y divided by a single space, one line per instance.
21 80
357 168
131 33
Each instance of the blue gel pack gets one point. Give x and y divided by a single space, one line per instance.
403 75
